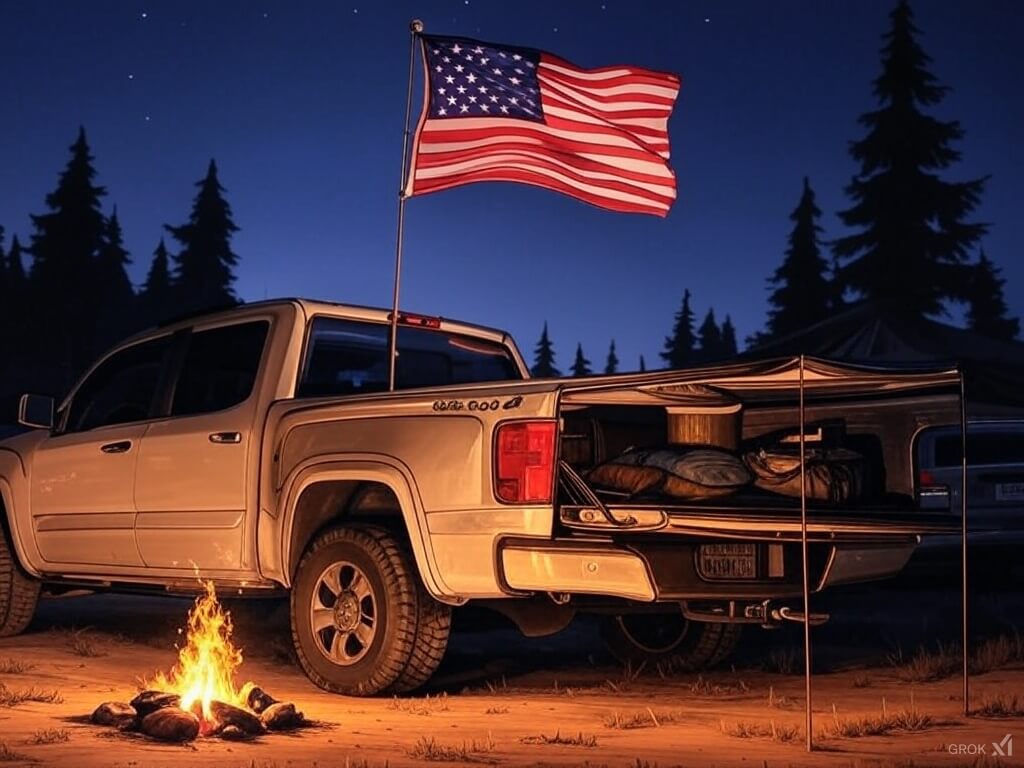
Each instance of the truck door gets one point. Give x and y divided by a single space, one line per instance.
192 480
82 477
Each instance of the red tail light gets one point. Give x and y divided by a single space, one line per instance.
926 479
524 466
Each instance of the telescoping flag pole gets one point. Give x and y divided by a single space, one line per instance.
963 546
415 28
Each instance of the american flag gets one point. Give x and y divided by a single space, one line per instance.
501 113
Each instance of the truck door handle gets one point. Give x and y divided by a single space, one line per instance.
225 437
121 446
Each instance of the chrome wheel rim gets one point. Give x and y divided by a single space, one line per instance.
343 613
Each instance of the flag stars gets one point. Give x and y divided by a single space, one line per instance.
472 99
478 50
450 80
482 88
504 108
442 111
514 80
496 71
516 57
485 107
442 91
493 98
451 101
461 89
459 68
464 108
456 49
471 78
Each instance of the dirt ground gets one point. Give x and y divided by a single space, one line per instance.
502 700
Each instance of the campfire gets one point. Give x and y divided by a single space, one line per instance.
199 697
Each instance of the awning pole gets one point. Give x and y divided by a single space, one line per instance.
963 542
808 717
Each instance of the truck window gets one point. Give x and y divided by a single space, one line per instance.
220 368
983 448
348 357
121 389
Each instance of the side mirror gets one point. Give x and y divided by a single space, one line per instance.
36 411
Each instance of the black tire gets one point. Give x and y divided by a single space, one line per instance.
372 614
668 639
19 592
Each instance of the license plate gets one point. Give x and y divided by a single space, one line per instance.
727 561
1009 491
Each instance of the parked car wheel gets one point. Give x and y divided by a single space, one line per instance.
19 592
668 639
362 623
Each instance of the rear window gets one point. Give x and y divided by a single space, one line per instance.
982 448
347 357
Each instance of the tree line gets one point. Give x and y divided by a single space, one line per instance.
912 250
74 298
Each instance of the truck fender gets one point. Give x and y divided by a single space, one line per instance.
376 468
11 467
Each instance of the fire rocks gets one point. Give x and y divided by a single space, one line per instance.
258 700
171 724
150 701
228 715
281 717
115 713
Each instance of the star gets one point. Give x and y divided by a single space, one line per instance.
456 49
451 101
504 109
449 79
461 89
442 111
459 67
482 89
464 108
485 108
471 78
514 80
441 91
496 71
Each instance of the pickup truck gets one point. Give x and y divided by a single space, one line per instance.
262 448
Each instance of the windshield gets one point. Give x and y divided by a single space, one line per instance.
346 357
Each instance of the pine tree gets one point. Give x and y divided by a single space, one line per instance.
710 336
203 273
544 358
611 365
117 297
580 366
13 322
802 294
913 240
65 294
729 348
987 309
155 298
679 346
837 290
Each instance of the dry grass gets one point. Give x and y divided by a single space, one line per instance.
879 725
430 749
998 652
416 706
779 702
15 667
8 755
579 740
785 661
84 645
862 681
947 660
703 687
11 698
646 718
1001 705
49 736
496 711
771 730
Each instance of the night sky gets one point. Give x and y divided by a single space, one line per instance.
302 103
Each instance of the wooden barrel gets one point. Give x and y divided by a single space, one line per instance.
720 426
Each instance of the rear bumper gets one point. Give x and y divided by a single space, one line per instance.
669 570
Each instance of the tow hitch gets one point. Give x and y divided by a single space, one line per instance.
764 613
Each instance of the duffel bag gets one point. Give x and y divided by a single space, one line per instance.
833 474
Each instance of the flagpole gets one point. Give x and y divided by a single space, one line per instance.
415 28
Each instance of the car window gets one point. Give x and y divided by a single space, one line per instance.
347 357
983 448
219 368
121 389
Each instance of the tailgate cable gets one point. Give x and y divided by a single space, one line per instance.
577 486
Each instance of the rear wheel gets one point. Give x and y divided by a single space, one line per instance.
19 592
361 621
669 639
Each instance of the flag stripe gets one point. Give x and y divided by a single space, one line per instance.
585 167
499 113
439 133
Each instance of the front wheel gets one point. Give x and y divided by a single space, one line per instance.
668 639
19 592
361 621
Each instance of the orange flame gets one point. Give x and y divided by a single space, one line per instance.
207 662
